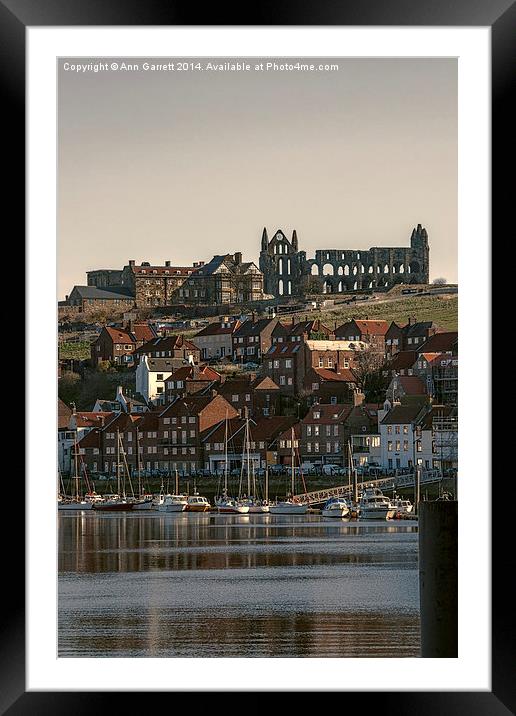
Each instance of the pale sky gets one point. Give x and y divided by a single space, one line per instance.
184 165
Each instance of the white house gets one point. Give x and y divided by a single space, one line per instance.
151 374
397 422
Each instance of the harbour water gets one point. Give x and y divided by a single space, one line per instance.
154 584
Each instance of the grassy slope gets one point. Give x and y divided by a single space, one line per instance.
77 351
442 310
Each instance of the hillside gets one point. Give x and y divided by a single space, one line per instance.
443 310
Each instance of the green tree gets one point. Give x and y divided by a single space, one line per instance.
69 387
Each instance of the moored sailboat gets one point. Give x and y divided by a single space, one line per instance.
290 505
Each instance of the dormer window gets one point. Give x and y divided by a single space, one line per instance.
317 415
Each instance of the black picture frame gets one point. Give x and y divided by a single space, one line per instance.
15 17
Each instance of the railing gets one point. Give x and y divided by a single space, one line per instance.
408 480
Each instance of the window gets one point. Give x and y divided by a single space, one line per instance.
282 380
316 429
270 364
328 430
328 447
398 444
389 429
316 414
330 362
336 447
183 418
159 389
405 430
397 430
315 386
276 363
248 397
288 363
309 430
234 398
308 447
333 400
191 420
289 380
159 376
389 446
321 362
419 447
405 445
192 433
316 447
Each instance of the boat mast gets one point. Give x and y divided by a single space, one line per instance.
177 483
118 461
138 462
75 467
226 458
248 453
266 481
292 460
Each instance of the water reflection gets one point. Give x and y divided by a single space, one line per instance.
203 584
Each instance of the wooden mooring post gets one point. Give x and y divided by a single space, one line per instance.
438 570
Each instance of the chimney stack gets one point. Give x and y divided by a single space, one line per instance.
132 262
167 263
358 398
238 258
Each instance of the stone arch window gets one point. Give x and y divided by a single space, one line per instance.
340 271
280 248
280 266
340 287
328 287
393 268
414 267
328 270
328 255
371 284
289 267
314 270
386 268
355 286
289 288
402 268
378 269
346 270
280 287
371 269
408 268
362 269
355 270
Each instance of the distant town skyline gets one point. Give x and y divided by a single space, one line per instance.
181 166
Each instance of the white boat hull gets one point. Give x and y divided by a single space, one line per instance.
74 505
336 512
147 505
179 507
259 509
287 508
376 513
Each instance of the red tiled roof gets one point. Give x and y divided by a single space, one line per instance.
216 329
403 360
265 384
118 335
412 385
143 332
329 413
88 419
343 376
377 328
63 414
440 343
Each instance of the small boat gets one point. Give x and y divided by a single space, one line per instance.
173 503
257 506
375 505
291 505
403 507
77 502
144 502
113 503
288 507
70 504
335 507
228 505
197 503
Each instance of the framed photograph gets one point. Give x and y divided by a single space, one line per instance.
246 244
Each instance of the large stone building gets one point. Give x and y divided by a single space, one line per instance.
225 279
150 285
288 272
